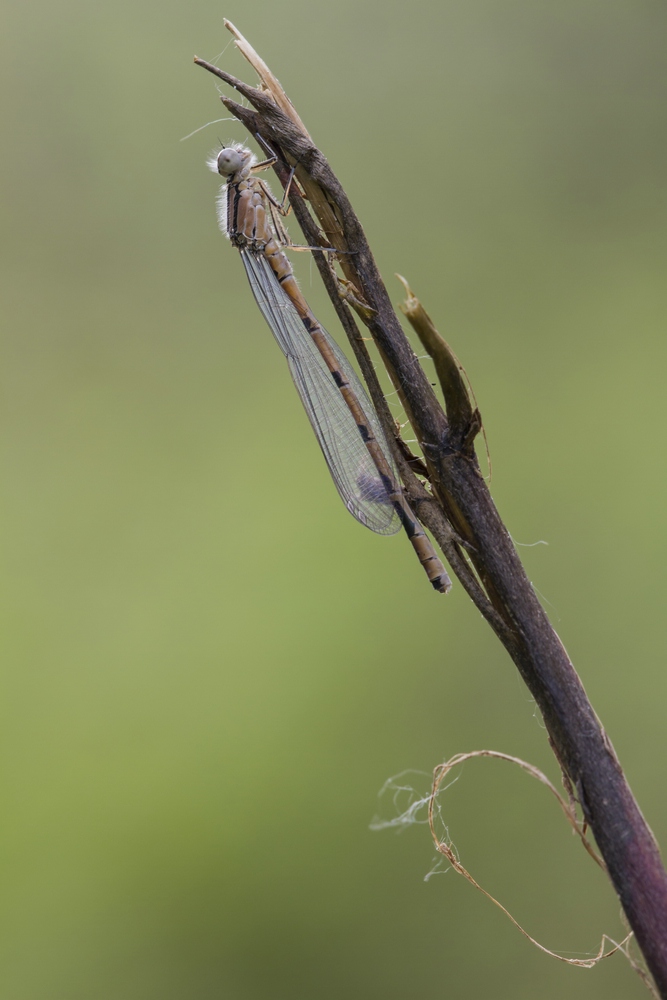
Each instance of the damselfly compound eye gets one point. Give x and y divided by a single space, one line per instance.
229 161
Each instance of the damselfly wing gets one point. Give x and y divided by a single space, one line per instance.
350 464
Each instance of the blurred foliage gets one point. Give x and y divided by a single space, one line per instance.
209 668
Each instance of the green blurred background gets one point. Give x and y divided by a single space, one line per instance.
209 668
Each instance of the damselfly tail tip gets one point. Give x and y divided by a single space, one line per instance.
442 584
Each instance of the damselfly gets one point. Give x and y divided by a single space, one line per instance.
342 417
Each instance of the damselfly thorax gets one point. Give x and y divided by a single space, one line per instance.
252 218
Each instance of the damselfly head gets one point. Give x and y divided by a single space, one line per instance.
229 160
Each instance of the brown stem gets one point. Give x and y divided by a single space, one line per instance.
464 519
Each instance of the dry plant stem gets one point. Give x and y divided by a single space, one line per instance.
509 604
